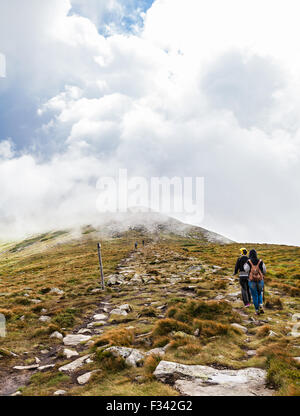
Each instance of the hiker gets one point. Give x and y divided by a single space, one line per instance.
239 268
257 270
136 246
143 243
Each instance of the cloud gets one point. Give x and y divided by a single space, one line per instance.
197 91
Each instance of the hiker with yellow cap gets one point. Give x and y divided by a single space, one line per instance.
239 268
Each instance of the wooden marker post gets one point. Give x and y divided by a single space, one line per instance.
101 266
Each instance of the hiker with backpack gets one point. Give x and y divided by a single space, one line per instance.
239 268
257 270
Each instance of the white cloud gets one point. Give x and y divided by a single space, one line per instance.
207 89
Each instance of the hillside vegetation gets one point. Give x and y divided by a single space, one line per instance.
180 301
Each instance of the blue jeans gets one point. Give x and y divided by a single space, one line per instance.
256 289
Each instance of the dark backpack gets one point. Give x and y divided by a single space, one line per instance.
255 274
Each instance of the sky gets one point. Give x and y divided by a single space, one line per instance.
163 88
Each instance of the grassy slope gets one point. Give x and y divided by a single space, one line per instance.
73 267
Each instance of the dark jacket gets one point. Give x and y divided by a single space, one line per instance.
239 267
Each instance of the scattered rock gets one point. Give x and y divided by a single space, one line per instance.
76 339
118 312
251 353
70 353
45 318
44 352
26 367
219 297
74 365
60 393
36 301
85 378
85 331
57 335
272 334
132 356
100 317
295 331
114 280
46 367
296 317
156 351
95 324
57 291
297 359
126 308
17 393
96 290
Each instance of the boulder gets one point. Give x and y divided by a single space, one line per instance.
197 380
74 365
76 339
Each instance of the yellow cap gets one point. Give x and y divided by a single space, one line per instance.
243 250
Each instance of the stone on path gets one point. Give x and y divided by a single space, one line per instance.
26 367
84 331
70 353
100 317
76 339
197 380
46 367
114 280
74 365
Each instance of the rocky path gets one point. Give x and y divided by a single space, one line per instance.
133 272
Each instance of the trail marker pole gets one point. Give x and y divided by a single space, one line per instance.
101 266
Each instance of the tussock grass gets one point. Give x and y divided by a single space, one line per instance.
118 337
